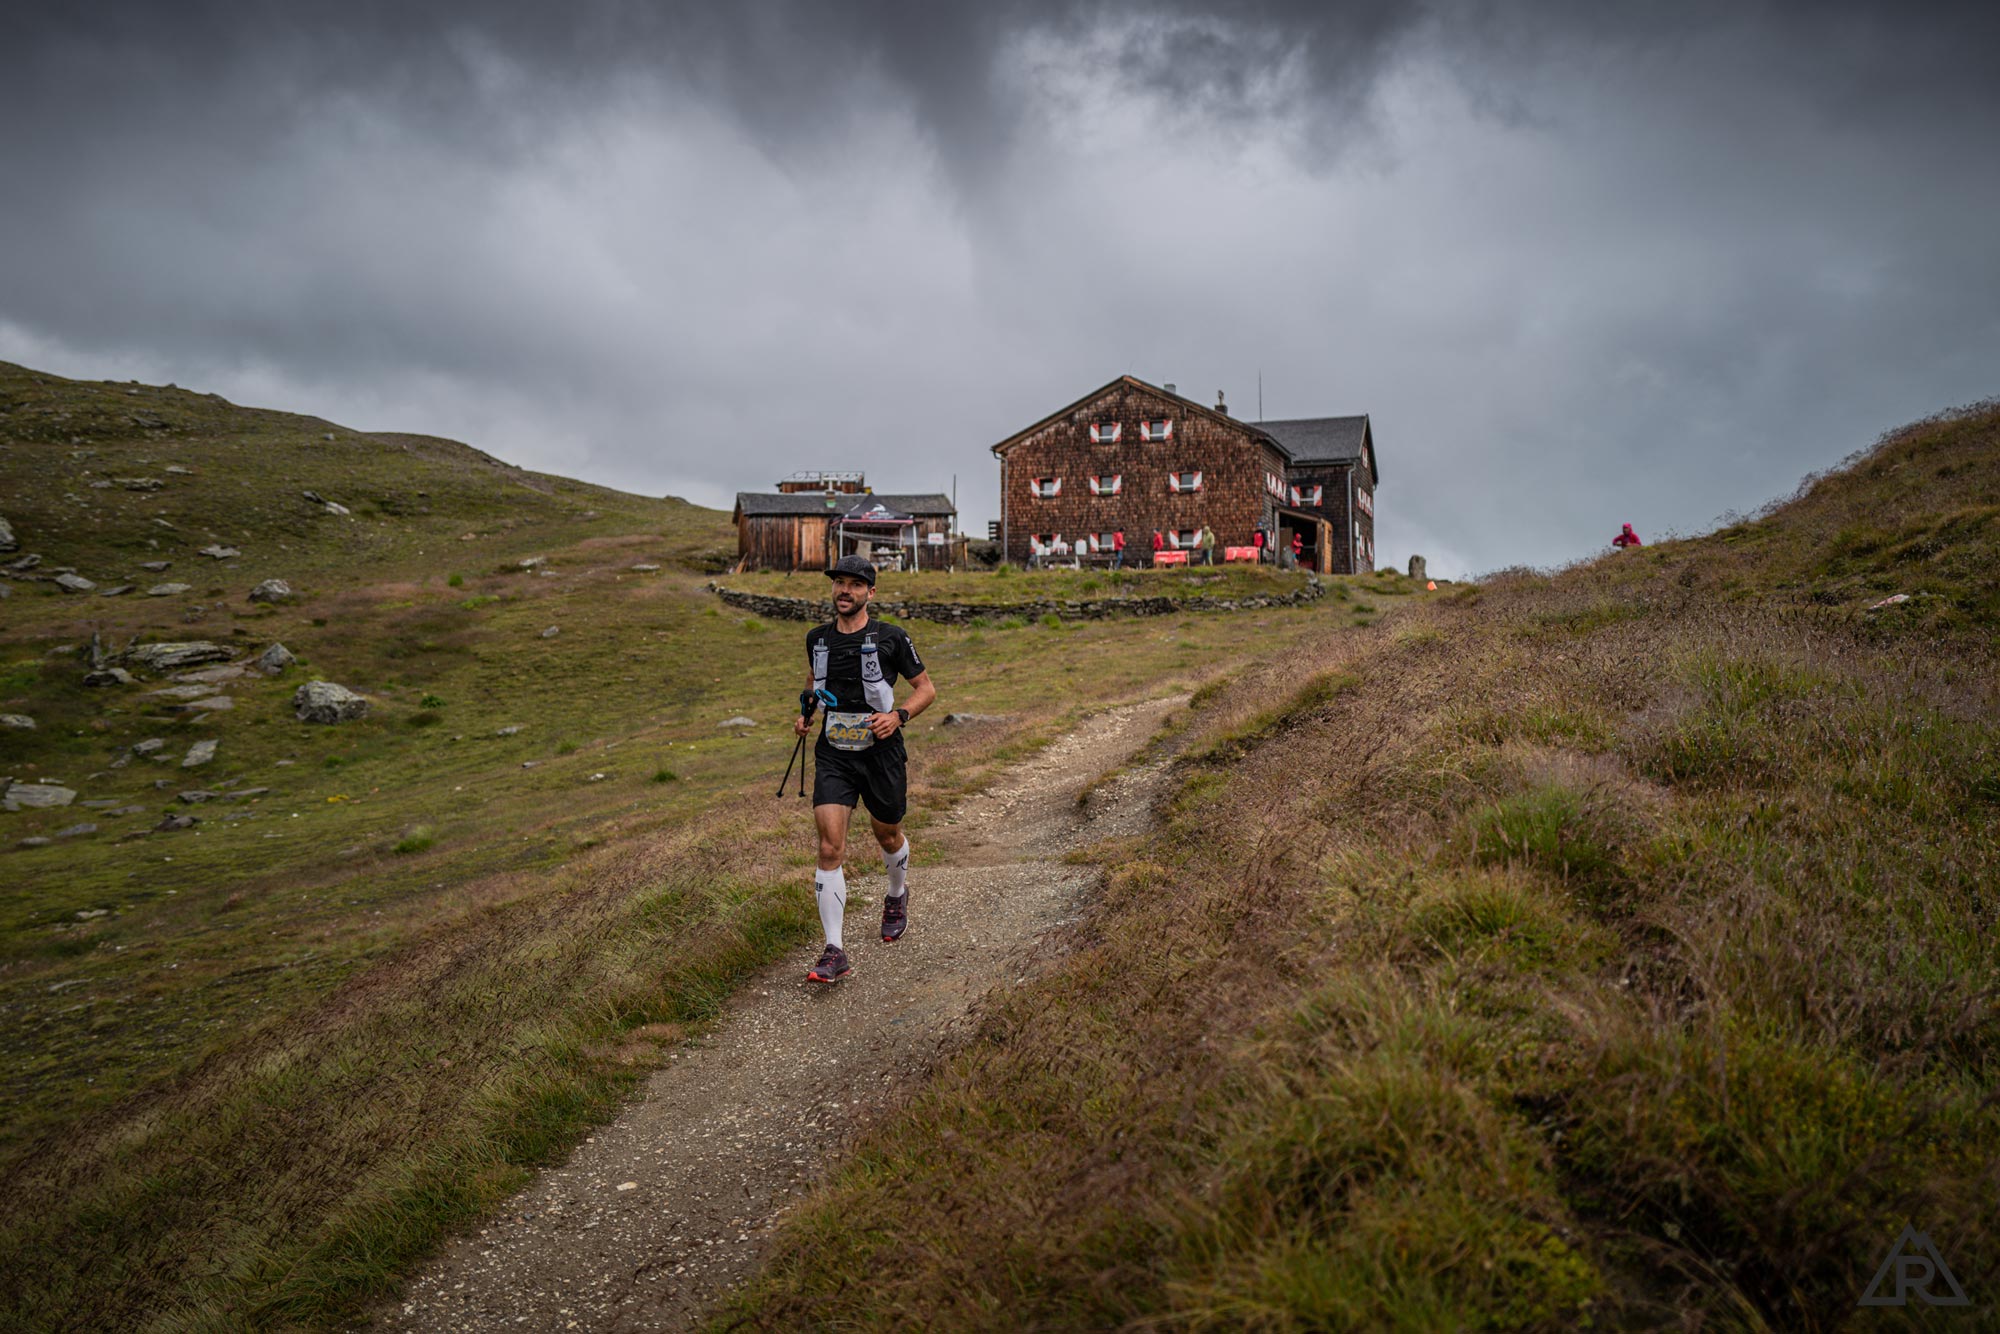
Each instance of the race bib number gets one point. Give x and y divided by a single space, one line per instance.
849 731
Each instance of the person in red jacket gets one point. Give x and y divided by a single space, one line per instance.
1298 546
1159 545
1118 550
1628 538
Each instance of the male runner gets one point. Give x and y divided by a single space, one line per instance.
860 749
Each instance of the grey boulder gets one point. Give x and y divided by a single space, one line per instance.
173 657
35 796
110 676
275 659
8 542
74 583
220 552
325 702
271 590
167 590
201 752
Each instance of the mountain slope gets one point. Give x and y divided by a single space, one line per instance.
1611 948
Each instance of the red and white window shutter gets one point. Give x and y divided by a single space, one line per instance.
1179 482
1047 488
1364 501
1106 433
1154 432
1306 495
1109 485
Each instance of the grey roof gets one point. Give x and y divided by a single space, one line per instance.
814 502
1319 439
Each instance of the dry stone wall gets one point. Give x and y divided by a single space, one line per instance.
962 613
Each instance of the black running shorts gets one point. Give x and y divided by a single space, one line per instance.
878 777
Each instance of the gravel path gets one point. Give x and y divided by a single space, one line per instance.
660 1212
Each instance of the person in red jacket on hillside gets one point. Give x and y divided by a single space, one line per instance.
1159 545
1628 538
1118 550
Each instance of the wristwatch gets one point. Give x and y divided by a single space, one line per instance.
904 714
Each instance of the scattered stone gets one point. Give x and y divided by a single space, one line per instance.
91 914
275 659
102 803
282 763
220 552
139 483
213 704
126 810
531 562
1893 600
508 731
271 590
648 569
967 719
738 721
529 764
111 676
228 671
176 469
76 831
8 542
314 496
20 720
201 752
155 565
1418 568
195 795
27 562
117 592
35 796
598 778
74 583
247 794
162 522
173 657
148 746
552 632
325 702
336 508
101 486
35 842
178 822
184 692
167 590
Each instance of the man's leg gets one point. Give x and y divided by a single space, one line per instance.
830 881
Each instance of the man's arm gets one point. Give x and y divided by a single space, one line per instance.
922 695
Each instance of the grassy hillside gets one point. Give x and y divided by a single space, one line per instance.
254 1068
1610 949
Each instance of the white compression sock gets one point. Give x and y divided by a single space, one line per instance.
830 888
898 863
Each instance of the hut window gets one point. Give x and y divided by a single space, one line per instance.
1154 432
1104 541
1364 501
1188 537
1047 488
1109 485
1105 433
1306 495
1041 543
1181 482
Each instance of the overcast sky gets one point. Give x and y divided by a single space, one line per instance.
1582 263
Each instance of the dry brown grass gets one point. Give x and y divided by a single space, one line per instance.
1608 948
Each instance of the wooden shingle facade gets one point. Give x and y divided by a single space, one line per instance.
1137 458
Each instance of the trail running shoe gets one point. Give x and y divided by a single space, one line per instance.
895 915
832 966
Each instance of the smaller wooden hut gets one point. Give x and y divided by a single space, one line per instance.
798 529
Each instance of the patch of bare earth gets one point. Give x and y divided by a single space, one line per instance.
658 1214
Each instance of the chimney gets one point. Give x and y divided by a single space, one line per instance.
1221 406
1169 387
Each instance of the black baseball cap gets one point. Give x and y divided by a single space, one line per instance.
855 566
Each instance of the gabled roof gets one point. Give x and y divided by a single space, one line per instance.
762 503
1250 429
1310 440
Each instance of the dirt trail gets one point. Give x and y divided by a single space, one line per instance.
659 1213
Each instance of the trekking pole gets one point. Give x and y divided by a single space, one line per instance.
798 753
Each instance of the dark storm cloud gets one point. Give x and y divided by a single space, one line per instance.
1569 255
